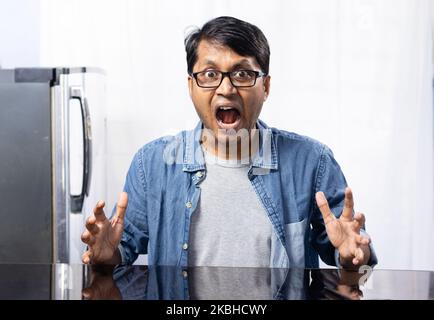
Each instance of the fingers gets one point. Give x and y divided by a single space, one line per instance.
99 212
323 206
86 257
121 207
363 240
87 238
360 219
91 225
358 256
347 213
87 293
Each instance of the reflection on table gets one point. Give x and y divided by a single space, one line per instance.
63 281
216 283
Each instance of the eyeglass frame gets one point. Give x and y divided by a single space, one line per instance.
228 74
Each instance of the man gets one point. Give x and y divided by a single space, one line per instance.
206 197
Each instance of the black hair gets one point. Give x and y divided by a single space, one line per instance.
242 37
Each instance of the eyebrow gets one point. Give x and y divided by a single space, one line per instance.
210 63
242 63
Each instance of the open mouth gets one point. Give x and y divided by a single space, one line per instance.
228 117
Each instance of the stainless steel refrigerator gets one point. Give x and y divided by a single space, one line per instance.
52 160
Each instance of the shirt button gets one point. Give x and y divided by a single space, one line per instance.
185 246
188 205
184 274
199 174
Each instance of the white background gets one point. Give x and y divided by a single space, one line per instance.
356 75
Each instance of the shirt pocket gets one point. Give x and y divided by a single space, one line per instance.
294 237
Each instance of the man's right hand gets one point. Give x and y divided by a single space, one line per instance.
103 236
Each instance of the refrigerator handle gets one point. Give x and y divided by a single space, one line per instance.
77 200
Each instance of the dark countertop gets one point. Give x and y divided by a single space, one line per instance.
75 281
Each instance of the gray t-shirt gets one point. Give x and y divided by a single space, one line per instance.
230 227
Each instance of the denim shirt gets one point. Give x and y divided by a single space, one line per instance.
163 186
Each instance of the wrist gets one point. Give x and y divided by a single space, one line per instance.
115 259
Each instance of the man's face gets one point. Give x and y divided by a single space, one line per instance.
227 107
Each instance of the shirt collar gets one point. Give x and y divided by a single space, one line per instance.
193 158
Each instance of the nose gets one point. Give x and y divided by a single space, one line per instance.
226 87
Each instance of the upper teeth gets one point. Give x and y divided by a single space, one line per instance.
226 108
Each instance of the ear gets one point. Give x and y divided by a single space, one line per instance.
267 81
190 85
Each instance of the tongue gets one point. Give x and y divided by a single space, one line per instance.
228 116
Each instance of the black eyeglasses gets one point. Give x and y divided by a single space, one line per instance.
238 78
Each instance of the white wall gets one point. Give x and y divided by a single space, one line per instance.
19 33
354 74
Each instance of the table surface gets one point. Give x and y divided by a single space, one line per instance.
139 282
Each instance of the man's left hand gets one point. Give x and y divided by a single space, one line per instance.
344 233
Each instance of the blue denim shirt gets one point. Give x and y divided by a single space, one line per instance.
163 186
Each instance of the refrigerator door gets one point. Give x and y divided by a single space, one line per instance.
25 170
87 146
79 154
